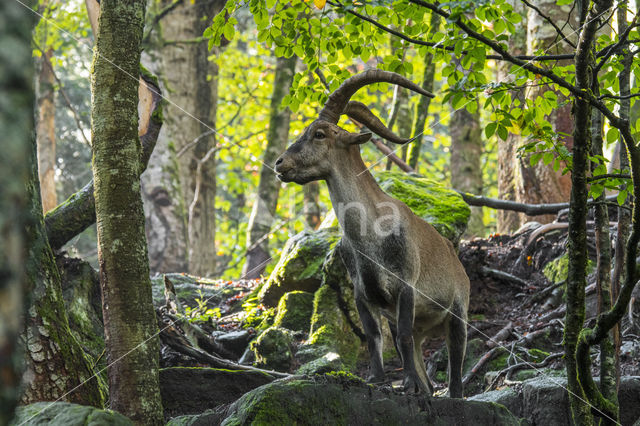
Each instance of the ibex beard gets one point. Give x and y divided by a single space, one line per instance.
401 267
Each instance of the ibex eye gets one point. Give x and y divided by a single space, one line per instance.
319 135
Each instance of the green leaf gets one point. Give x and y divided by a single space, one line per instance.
490 129
622 197
533 160
547 158
503 132
596 190
229 31
613 135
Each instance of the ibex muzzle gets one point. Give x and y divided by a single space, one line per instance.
400 266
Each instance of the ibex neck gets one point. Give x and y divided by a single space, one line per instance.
354 193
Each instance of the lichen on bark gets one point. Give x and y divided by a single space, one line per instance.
130 322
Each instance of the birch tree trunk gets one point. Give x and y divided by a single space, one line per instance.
130 323
264 206
17 126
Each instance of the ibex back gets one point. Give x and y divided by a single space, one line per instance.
400 266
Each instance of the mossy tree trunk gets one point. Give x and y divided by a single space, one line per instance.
264 206
577 241
129 318
56 366
17 126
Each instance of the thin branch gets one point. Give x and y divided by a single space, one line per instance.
614 47
607 176
550 21
156 19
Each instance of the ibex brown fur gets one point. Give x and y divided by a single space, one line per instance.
399 264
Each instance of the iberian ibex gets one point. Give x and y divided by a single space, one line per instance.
399 264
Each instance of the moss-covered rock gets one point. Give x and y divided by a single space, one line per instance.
274 349
294 311
300 266
335 399
330 329
442 207
193 291
67 414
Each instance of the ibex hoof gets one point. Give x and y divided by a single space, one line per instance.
415 385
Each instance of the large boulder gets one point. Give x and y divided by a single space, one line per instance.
300 265
343 399
67 414
442 207
187 390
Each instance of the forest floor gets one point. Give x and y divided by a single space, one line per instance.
516 311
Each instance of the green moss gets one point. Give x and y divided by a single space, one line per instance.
558 269
300 266
274 349
500 361
441 207
294 311
330 329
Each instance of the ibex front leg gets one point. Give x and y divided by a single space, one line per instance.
374 341
405 344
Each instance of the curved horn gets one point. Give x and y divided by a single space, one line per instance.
359 112
338 100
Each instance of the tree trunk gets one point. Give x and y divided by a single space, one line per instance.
56 366
130 323
191 83
45 130
16 124
311 208
508 162
264 206
466 165
540 183
422 109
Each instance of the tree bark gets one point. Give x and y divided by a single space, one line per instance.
466 165
56 366
191 83
264 206
508 162
540 183
130 322
311 208
17 126
577 241
45 130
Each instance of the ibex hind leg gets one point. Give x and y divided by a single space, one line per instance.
456 337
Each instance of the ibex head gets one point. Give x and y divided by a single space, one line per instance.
323 144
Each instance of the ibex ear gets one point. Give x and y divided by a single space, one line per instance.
358 138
